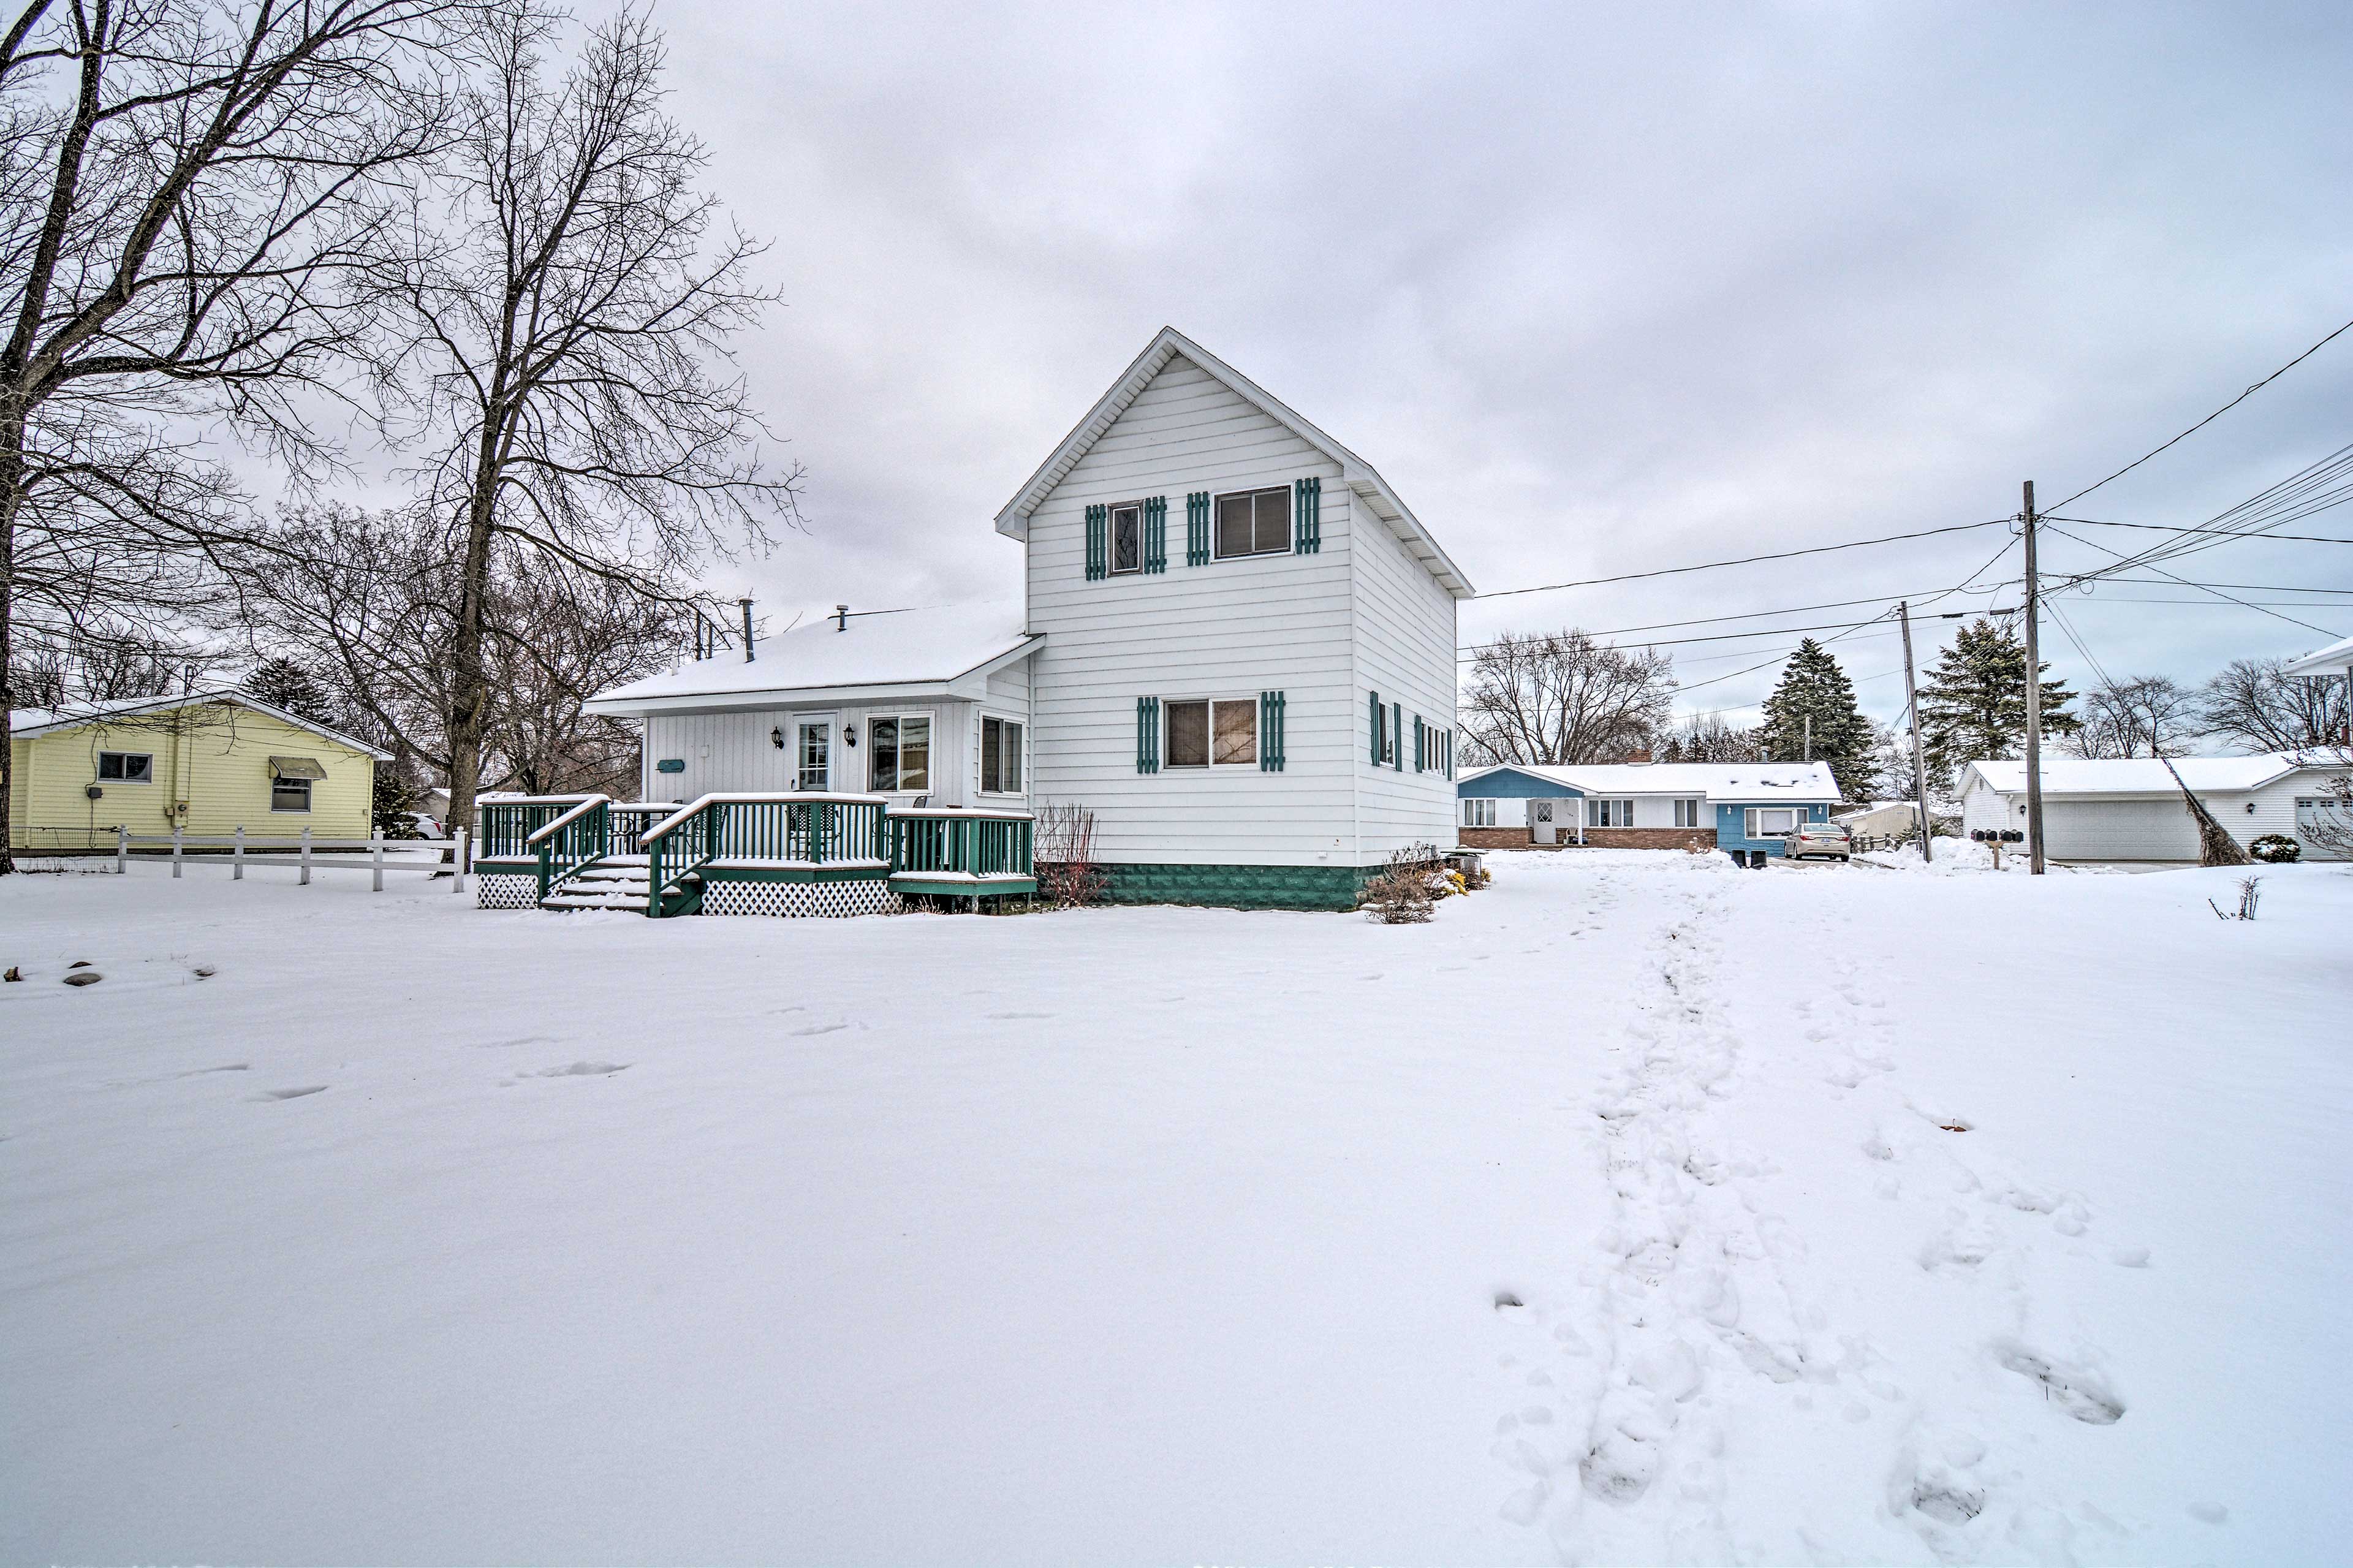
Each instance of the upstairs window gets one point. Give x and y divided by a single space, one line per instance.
1254 522
902 753
126 767
1127 538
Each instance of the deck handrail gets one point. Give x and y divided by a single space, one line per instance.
756 797
962 841
998 813
587 802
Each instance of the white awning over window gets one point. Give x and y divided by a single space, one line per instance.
296 768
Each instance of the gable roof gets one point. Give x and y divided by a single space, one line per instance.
1362 479
2139 775
883 654
1717 781
27 722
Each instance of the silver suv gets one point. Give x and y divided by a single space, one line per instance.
1830 840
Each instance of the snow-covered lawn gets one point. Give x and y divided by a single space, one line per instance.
1639 1208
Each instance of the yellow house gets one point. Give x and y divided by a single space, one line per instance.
208 762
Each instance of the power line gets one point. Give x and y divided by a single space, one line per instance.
2225 533
2291 620
2266 381
1743 560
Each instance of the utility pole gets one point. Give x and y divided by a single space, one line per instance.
2033 698
1911 707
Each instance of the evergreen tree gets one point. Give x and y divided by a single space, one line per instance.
396 805
282 683
1973 704
1812 711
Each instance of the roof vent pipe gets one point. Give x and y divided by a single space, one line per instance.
746 602
841 618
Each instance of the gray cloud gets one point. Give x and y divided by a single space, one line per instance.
1601 289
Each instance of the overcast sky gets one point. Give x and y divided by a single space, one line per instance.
1598 289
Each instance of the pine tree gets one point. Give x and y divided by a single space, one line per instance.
1973 704
1812 712
396 805
284 684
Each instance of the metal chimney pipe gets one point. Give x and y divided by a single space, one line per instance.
841 618
746 602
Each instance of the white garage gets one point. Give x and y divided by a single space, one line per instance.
2129 809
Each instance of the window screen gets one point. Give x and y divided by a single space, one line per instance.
1000 756
1189 734
1237 732
1255 523
289 795
130 767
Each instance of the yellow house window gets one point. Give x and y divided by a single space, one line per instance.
126 767
289 781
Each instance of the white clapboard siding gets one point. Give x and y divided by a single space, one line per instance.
1231 629
1404 641
735 752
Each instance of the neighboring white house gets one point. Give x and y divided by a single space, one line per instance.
2131 809
1644 805
1235 650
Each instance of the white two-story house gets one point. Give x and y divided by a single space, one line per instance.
1236 647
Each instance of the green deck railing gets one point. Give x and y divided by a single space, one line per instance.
963 843
802 830
507 822
571 842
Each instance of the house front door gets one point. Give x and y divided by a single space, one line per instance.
1541 827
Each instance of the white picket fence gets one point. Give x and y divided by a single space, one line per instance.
305 849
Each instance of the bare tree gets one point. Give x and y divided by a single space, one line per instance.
2142 716
1706 737
369 601
1560 697
564 303
183 187
2253 704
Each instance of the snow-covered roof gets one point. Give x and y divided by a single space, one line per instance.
883 654
26 722
2336 658
1359 475
2138 775
1717 781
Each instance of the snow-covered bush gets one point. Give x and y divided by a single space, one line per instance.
2275 849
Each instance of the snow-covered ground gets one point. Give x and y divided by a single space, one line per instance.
1638 1209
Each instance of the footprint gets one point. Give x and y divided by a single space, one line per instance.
232 1067
584 1069
289 1093
817 1029
1007 1017
2077 1392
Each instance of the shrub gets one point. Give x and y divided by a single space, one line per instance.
2275 849
1064 857
1400 893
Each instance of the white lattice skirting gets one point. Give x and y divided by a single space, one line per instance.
505 893
800 901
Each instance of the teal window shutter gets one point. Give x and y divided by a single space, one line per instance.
1418 748
1147 734
1156 534
1097 556
1307 517
1196 529
1373 731
1396 732
1270 731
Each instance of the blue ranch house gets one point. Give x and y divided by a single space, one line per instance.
1734 807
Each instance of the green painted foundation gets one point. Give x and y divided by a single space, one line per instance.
1238 887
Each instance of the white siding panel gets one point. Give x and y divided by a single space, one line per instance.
1231 629
1404 636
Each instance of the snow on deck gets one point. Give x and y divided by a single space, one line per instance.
1637 1209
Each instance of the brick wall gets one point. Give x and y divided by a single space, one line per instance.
1493 838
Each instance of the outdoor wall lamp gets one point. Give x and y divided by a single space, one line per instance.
849 734
2251 808
777 739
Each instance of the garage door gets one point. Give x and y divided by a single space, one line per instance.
2316 812
2119 830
